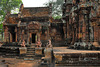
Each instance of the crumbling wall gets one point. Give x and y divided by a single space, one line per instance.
57 34
82 20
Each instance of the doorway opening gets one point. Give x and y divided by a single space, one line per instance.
13 34
33 38
13 37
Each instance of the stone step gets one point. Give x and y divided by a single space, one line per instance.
30 49
29 59
8 56
62 65
31 52
29 55
11 54
33 45
8 51
19 57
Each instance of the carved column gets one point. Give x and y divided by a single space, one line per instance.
10 37
38 36
6 34
16 33
28 37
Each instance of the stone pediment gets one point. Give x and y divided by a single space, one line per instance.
34 25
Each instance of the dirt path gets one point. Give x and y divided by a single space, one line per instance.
13 62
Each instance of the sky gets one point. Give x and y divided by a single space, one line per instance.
34 3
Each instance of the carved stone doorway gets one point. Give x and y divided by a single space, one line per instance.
13 36
33 38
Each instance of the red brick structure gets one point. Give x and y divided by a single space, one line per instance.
27 25
82 20
33 24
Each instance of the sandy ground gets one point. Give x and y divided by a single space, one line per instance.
13 62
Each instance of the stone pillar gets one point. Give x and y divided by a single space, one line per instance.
10 37
28 38
22 35
87 27
38 36
16 33
6 34
16 36
77 26
48 32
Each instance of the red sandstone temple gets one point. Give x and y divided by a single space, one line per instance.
81 24
33 24
82 18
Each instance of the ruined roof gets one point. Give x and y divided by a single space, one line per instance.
11 19
35 11
40 19
55 20
13 15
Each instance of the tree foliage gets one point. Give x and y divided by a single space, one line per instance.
56 8
6 6
1 27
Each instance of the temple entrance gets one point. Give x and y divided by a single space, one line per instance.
12 34
13 37
33 38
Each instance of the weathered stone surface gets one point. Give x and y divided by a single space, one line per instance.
82 21
70 57
23 50
39 51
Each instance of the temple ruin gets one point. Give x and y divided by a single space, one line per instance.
73 40
82 21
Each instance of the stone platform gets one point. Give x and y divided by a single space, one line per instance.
16 51
69 57
65 50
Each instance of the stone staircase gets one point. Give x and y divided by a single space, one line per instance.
8 52
13 52
30 52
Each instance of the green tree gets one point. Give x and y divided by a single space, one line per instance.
56 8
5 7
1 31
